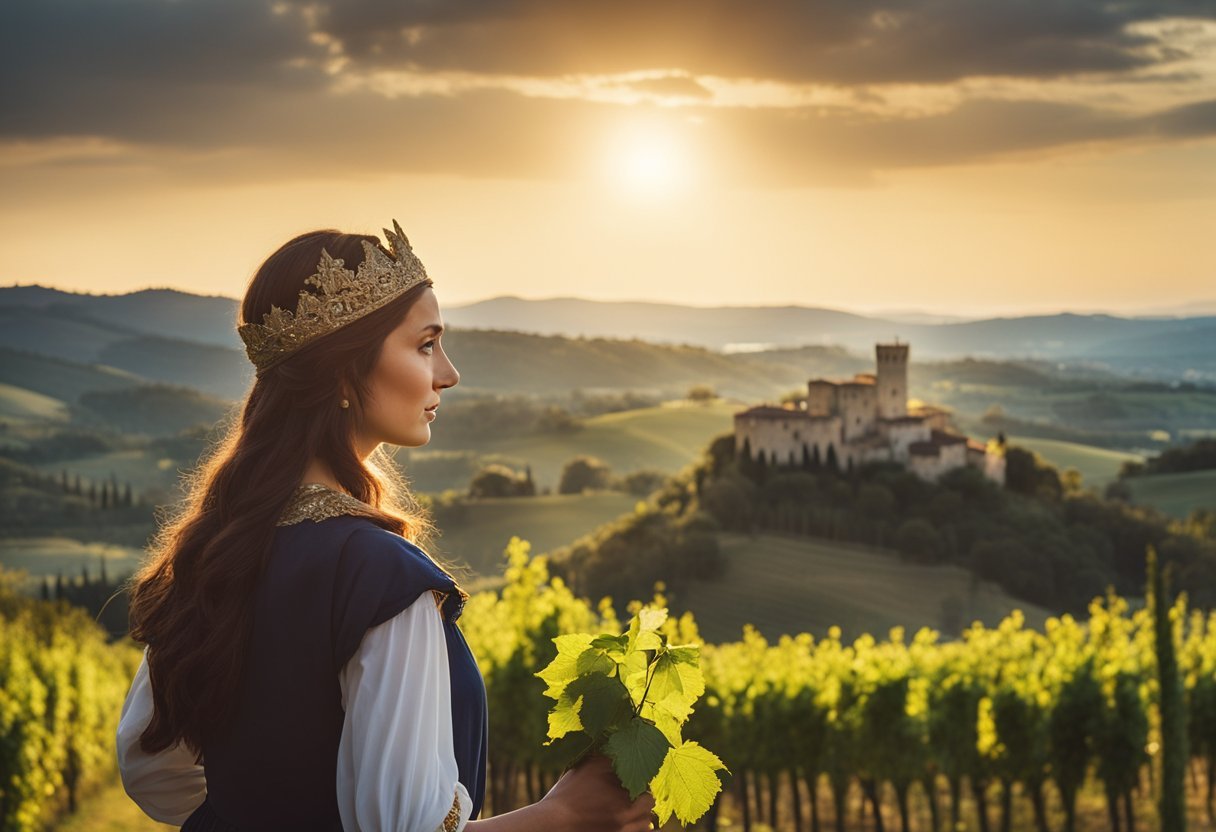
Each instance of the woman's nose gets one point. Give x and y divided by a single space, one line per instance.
452 377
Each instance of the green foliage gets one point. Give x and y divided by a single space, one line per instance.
1041 538
919 540
1173 715
500 481
642 482
62 691
583 473
1010 704
153 410
629 694
1027 473
1199 455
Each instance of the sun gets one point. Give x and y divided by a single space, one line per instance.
646 159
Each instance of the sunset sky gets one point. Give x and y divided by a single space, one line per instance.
952 156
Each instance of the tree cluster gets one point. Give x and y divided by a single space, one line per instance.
668 539
1199 455
496 480
1039 538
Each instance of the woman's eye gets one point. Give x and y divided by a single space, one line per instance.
428 344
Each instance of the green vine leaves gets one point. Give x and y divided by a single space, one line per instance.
627 696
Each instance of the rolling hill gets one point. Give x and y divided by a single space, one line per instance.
18 404
208 319
478 535
1175 494
1098 466
665 437
59 378
1165 347
788 585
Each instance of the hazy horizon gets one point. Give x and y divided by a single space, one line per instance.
1203 307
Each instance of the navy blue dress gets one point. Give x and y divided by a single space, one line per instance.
325 585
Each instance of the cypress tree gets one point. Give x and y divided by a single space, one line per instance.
833 462
747 463
1172 809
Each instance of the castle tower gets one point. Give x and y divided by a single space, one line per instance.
892 360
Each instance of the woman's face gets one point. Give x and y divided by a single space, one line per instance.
411 370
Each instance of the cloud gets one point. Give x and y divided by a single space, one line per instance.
671 86
1186 121
830 41
242 89
86 66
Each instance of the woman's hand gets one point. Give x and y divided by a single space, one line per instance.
590 798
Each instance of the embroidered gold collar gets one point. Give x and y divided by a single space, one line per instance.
316 501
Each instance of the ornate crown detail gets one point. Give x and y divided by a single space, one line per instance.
345 296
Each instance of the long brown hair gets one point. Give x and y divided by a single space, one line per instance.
192 601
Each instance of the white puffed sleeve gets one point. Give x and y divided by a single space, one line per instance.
167 785
397 767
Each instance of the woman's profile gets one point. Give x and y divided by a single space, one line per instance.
303 666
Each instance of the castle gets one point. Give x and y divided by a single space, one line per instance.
862 420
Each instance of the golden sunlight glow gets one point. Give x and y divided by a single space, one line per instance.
648 159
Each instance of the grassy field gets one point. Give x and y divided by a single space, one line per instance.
480 535
792 584
59 379
136 466
110 810
20 405
1176 494
666 437
45 556
1098 466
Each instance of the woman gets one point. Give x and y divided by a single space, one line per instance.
303 667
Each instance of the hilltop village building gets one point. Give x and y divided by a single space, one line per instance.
862 420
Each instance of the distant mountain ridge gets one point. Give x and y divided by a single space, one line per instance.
83 327
208 319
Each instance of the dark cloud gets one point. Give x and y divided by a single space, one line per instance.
1187 121
832 41
73 66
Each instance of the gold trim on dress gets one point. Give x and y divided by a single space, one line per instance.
452 822
316 502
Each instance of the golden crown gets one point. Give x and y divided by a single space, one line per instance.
344 297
